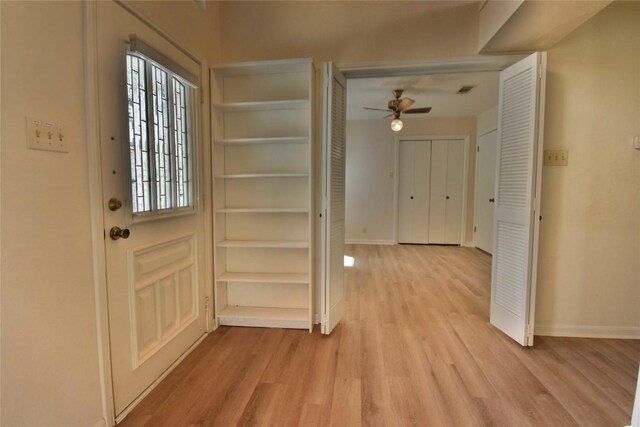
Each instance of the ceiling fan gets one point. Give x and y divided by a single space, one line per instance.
399 106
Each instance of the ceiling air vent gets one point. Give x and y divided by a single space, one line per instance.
465 89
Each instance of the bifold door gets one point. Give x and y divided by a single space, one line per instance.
518 176
333 189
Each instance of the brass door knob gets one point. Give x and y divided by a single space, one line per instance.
116 233
114 204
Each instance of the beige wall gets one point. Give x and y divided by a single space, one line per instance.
371 162
589 270
348 32
49 358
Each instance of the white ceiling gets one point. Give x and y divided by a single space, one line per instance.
437 91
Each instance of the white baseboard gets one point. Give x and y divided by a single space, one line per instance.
100 423
613 332
369 242
468 245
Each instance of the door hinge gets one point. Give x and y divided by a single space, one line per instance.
478 149
474 229
201 96
206 304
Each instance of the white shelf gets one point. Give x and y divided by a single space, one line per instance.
270 140
263 210
295 244
234 107
262 175
264 278
294 318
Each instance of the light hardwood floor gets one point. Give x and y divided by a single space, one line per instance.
415 348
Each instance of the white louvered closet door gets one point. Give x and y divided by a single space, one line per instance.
518 172
334 151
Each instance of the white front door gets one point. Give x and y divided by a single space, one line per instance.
333 189
155 280
485 191
518 178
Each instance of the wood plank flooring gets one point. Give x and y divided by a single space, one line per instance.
415 348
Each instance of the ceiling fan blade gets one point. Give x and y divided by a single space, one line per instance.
417 110
375 109
405 103
389 115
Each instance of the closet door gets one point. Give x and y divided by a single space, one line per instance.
453 198
413 191
485 191
438 194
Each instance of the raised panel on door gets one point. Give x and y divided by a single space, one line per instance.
405 191
421 191
485 191
438 192
455 185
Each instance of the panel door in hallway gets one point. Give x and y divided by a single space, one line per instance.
485 191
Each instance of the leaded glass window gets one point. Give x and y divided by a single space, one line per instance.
160 137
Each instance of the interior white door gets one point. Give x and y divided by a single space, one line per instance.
485 191
154 282
334 156
453 198
520 125
438 193
414 161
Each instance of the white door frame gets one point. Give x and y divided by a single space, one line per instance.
396 181
94 162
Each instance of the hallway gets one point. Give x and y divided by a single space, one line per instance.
415 349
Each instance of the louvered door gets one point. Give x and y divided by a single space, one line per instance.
334 151
520 115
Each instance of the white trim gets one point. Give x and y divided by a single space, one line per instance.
465 178
580 331
369 242
100 423
467 64
90 29
635 417
158 380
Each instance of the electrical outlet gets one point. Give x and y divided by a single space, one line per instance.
46 135
556 157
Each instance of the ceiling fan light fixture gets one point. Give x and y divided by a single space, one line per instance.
396 125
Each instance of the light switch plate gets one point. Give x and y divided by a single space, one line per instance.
46 135
556 157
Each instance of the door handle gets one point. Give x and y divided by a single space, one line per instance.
116 233
447 197
491 200
114 204
411 197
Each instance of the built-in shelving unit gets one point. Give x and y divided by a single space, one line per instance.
262 118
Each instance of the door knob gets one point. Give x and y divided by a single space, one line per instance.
491 200
116 233
114 204
411 197
447 197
